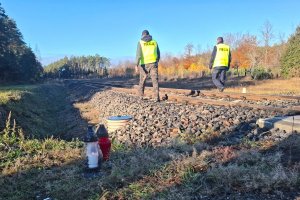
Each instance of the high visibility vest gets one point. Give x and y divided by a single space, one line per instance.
149 52
222 56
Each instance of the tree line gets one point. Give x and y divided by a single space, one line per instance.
78 67
262 56
17 60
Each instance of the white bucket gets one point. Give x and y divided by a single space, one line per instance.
116 122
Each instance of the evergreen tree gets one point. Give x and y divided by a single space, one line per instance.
75 67
290 61
17 61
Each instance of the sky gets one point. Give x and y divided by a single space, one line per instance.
112 28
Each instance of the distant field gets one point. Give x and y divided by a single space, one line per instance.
279 87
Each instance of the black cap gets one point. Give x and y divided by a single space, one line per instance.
145 32
220 40
102 131
90 135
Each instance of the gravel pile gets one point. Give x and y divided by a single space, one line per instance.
277 103
157 124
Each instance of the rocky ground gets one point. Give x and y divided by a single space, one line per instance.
159 124
216 151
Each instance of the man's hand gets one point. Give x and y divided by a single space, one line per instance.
136 69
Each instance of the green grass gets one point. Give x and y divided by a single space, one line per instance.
14 93
39 109
33 119
24 160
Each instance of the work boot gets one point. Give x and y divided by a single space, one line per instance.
196 94
165 98
192 92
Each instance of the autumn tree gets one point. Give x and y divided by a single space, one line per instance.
245 53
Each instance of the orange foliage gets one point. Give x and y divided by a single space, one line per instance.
184 67
240 55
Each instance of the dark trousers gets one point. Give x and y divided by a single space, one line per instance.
219 77
145 70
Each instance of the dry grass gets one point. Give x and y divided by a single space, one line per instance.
250 173
88 112
216 172
276 87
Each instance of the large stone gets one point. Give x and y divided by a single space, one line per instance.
288 123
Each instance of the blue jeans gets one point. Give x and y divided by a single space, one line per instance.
219 77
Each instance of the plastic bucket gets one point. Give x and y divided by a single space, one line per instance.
116 122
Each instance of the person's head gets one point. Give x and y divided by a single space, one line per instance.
145 32
220 40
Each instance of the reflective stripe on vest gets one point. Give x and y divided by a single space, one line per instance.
149 52
222 56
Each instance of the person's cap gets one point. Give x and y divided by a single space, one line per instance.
145 32
220 40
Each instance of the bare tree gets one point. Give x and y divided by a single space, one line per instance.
189 48
250 41
233 39
199 49
267 36
281 37
281 47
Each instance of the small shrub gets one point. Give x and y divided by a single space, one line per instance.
260 73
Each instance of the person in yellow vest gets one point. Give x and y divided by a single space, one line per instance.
220 63
147 58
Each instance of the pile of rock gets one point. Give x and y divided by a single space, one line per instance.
156 124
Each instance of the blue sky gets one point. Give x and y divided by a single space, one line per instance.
112 28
